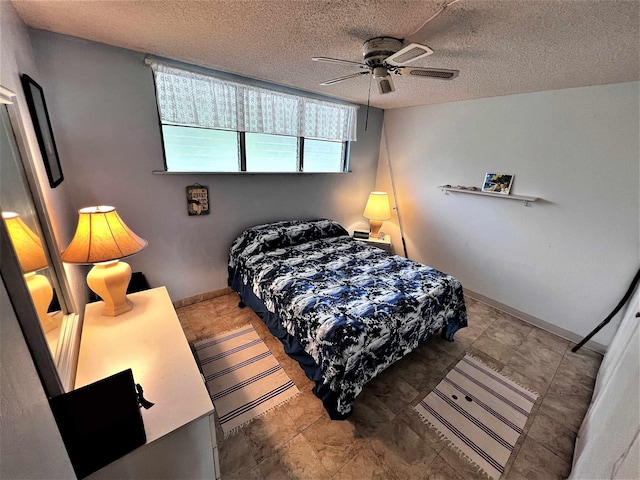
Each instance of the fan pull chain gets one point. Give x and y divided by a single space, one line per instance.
366 120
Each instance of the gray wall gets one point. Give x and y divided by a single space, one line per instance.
568 259
102 105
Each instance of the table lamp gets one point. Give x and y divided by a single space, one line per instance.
31 257
377 211
102 238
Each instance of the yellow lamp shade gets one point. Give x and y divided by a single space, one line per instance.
101 236
377 211
26 243
378 207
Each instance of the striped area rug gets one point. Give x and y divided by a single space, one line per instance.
480 412
243 377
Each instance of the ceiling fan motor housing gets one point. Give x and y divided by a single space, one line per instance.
376 50
380 72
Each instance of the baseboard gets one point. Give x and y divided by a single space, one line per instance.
525 317
201 297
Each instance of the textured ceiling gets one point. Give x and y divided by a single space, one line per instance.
501 47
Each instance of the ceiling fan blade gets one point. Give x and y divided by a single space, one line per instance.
408 54
385 85
339 62
346 77
442 74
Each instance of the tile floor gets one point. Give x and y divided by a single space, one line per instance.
384 438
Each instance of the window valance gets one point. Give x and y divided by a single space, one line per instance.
199 100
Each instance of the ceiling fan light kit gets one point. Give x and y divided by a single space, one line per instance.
385 85
383 56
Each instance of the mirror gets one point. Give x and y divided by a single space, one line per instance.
31 236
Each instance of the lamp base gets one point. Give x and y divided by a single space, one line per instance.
41 294
374 227
109 280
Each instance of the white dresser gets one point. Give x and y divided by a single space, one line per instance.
180 430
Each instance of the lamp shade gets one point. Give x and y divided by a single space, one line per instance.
26 243
378 207
101 236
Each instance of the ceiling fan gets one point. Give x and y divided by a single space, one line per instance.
383 56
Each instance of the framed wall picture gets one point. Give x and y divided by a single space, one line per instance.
497 183
42 125
198 199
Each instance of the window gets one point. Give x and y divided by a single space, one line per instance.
323 156
211 124
271 153
200 149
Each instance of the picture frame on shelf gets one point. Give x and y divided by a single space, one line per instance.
498 183
42 126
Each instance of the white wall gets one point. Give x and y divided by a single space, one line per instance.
30 444
102 105
568 259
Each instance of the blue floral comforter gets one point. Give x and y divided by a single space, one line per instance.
354 308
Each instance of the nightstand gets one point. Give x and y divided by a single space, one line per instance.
384 244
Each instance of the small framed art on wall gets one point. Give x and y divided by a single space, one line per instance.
198 199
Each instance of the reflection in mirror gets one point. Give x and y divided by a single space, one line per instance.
28 247
21 220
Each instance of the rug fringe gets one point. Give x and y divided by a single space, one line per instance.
237 428
448 443
524 387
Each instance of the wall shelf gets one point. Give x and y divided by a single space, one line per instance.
527 201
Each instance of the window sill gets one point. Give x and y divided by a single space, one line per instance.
163 172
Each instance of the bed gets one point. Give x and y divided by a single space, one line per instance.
343 309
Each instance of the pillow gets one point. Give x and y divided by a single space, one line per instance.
271 236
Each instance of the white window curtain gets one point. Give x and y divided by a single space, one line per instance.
194 99
265 111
